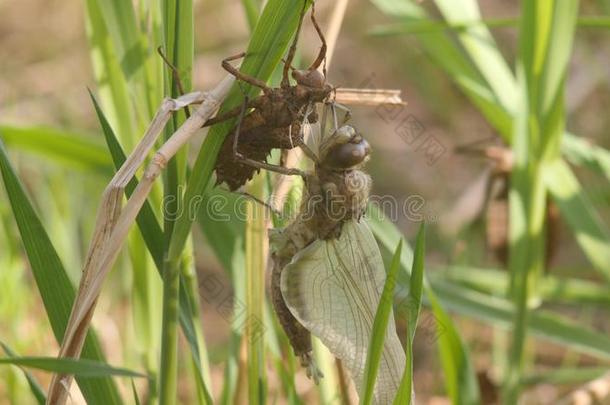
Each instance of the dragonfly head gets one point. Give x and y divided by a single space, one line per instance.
311 83
345 149
310 78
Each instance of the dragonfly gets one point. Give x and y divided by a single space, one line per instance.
328 275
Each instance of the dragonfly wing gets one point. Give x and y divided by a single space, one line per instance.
333 288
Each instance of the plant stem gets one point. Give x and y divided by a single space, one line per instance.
169 341
256 253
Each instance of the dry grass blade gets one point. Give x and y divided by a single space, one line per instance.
336 20
112 225
369 97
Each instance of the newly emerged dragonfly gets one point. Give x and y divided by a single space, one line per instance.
327 270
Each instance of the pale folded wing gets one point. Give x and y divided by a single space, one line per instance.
333 288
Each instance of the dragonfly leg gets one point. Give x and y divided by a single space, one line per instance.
322 54
293 49
286 171
311 368
235 112
176 76
241 76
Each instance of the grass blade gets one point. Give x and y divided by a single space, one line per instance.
564 376
153 237
416 285
590 231
256 248
501 312
459 373
482 49
580 152
136 397
147 222
545 41
52 281
554 289
35 388
68 148
460 376
178 45
112 85
82 367
380 324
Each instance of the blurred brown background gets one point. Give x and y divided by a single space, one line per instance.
45 70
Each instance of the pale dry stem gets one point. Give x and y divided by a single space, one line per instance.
112 225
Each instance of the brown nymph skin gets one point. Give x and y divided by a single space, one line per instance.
273 119
274 123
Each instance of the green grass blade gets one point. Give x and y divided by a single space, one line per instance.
482 49
35 388
52 281
460 376
493 310
459 68
545 41
255 240
179 42
112 85
147 222
558 53
178 46
427 26
442 50
136 397
564 376
416 283
120 21
421 27
269 41
590 231
580 152
219 223
380 325
70 149
459 373
83 367
543 324
386 233
416 286
251 8
145 287
126 47
554 289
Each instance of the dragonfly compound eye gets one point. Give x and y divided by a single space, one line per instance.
347 155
